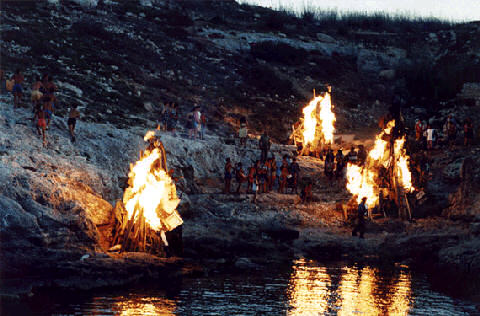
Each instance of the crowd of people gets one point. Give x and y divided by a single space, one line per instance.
43 101
429 138
263 175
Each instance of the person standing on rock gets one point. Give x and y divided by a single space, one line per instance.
17 89
283 175
252 175
197 121
41 123
48 108
264 145
467 132
73 115
242 132
203 124
451 131
273 173
36 95
172 124
361 211
239 177
430 131
227 176
295 171
418 130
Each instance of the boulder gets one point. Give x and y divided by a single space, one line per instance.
325 38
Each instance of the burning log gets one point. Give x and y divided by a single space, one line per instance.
148 208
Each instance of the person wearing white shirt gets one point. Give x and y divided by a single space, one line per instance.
429 137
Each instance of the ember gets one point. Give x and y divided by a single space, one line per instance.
150 201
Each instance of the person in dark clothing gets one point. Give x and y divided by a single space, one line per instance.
295 171
467 132
239 177
340 164
306 193
264 145
228 176
360 227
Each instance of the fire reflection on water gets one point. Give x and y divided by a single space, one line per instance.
354 291
145 306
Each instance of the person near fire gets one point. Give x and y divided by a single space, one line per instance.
227 176
451 131
430 136
352 155
239 177
264 145
295 171
362 155
467 132
252 175
340 163
283 175
17 89
360 226
418 130
306 193
273 173
262 173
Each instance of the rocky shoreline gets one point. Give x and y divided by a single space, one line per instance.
56 205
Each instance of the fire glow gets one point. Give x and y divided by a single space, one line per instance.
364 181
152 193
318 113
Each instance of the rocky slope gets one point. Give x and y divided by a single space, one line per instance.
115 57
56 215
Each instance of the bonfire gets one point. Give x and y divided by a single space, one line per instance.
148 208
385 172
317 128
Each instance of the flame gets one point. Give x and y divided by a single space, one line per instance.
364 181
318 112
152 192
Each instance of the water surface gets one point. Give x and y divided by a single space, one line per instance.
304 288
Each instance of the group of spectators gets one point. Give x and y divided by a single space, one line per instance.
264 175
428 137
196 120
44 101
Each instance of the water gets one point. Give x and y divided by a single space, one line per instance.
304 288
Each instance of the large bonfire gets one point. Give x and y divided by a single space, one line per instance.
150 201
386 166
317 127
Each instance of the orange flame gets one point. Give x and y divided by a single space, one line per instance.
318 112
152 192
364 181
